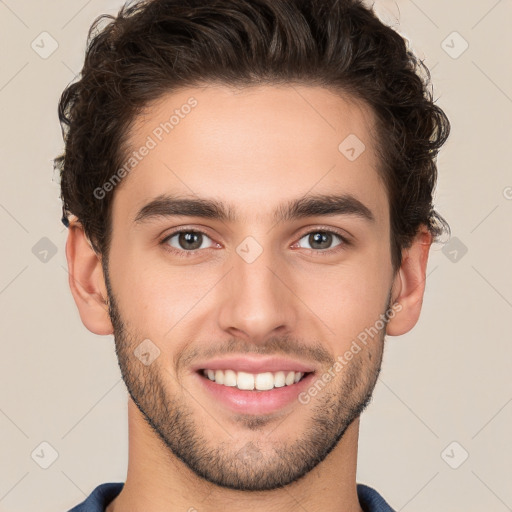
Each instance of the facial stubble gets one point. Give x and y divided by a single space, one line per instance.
168 408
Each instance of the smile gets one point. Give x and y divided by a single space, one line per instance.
253 393
248 381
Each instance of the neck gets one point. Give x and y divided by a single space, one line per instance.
157 481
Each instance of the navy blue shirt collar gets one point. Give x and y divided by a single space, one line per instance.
97 501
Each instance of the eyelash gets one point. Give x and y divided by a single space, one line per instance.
321 252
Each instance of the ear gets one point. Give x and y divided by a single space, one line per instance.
409 284
87 282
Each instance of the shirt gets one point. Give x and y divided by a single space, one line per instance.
369 499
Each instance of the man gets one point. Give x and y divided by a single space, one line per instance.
248 188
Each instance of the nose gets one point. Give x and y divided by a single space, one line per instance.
257 299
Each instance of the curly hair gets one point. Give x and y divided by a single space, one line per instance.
153 47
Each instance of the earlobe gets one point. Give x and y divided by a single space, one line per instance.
86 281
409 285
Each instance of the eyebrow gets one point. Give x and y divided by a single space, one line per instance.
307 206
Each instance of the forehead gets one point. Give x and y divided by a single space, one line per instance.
252 147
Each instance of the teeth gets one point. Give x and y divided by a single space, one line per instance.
264 381
279 379
248 381
243 380
219 376
229 378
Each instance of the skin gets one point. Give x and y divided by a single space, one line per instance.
239 146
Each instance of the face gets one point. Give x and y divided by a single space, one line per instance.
248 244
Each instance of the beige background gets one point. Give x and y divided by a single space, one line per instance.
447 381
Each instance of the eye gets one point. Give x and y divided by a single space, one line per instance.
187 240
322 240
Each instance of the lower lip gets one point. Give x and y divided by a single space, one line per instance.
253 401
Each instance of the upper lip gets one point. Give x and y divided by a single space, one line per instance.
254 364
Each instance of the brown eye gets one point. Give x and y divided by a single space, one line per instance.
187 240
321 240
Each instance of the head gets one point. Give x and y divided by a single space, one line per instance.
253 126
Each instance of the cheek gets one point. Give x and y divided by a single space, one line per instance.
138 288
348 298
154 296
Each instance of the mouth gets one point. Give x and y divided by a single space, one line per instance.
246 381
253 393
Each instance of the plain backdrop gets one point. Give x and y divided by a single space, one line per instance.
437 435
